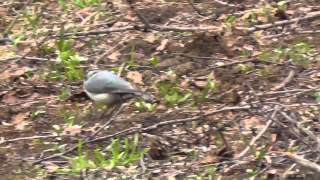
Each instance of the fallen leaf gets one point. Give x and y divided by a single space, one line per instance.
114 56
9 98
5 75
163 45
72 130
19 120
13 72
151 38
135 76
20 71
253 123
185 83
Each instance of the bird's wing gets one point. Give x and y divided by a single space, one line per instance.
107 82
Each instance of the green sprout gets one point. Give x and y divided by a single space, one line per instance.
172 94
144 106
297 53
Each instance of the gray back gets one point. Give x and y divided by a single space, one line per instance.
107 82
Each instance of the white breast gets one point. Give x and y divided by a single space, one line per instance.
103 98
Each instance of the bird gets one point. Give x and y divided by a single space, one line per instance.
103 86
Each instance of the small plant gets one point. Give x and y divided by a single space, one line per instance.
144 106
86 3
69 117
154 60
45 49
244 68
251 174
69 59
209 174
33 19
37 114
64 94
118 153
132 58
172 94
66 66
246 52
124 154
230 20
18 38
80 162
297 53
317 96
211 87
282 5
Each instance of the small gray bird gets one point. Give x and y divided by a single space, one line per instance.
106 87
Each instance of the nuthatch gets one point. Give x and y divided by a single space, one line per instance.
106 87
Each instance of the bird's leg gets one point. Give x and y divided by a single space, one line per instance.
115 112
107 112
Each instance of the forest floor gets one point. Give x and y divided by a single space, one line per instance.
237 84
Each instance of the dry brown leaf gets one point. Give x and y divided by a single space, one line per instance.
5 75
185 83
151 38
72 130
12 72
163 45
9 98
135 76
210 158
19 120
114 56
253 123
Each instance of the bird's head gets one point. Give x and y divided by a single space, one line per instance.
91 73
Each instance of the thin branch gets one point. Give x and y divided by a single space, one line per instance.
28 138
304 162
195 8
309 16
301 128
139 129
141 17
224 3
111 119
256 138
286 81
170 122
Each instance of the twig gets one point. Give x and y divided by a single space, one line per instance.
289 91
301 128
28 138
169 122
195 8
224 3
256 138
308 16
105 31
291 33
304 162
26 57
286 81
109 51
139 129
287 172
141 28
15 20
111 119
141 18
236 62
